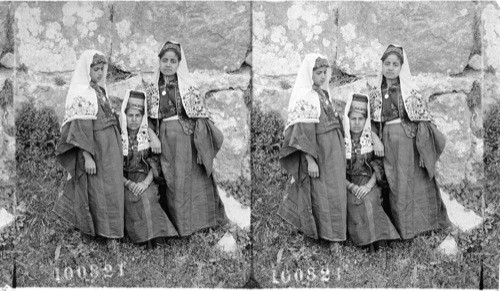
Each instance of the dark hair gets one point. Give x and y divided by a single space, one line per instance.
365 115
172 50
128 107
98 59
400 57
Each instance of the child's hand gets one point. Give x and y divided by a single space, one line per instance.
90 167
155 144
362 191
378 148
140 188
131 186
313 169
421 162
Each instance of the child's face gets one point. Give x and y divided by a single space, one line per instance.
134 118
356 121
391 67
319 76
169 63
96 72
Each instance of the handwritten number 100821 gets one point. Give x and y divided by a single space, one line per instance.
81 272
298 276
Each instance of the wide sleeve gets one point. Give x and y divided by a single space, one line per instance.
377 165
375 126
153 161
75 135
299 138
152 123
208 141
430 144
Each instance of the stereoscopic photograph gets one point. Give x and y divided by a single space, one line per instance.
250 144
367 144
133 157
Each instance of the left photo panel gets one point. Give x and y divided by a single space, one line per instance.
8 203
132 131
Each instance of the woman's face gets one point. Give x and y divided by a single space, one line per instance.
134 118
169 63
96 72
319 76
391 67
357 121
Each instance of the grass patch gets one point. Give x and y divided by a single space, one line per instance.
281 254
48 248
48 244
6 94
491 227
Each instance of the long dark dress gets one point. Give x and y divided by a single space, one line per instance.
316 206
366 220
414 198
144 217
192 197
93 203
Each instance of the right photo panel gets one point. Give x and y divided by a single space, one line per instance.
375 144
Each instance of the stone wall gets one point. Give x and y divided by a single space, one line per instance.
452 49
7 124
52 35
7 145
490 33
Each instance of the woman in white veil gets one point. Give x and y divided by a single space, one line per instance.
90 150
187 140
400 114
313 153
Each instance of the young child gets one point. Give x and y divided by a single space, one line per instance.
145 220
366 220
313 153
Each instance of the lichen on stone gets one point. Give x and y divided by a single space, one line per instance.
491 22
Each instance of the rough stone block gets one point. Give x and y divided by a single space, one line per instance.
52 35
437 36
461 217
285 31
235 212
491 94
233 160
6 219
476 62
449 246
490 32
227 243
273 93
4 11
453 119
8 60
214 35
